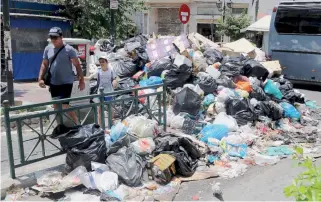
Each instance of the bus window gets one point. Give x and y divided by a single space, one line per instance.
298 20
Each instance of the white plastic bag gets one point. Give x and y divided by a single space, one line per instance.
108 181
211 70
199 61
100 181
196 88
220 107
263 160
225 94
169 116
143 146
142 127
224 119
177 121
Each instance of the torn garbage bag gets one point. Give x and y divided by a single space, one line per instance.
213 131
206 82
290 111
127 165
241 110
187 101
83 144
253 68
231 66
182 149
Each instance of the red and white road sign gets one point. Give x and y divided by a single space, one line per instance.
184 13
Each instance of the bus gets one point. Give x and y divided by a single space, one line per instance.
295 40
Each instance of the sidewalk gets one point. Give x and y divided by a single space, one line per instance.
30 92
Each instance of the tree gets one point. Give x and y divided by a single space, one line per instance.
232 25
91 18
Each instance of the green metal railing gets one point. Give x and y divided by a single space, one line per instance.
43 135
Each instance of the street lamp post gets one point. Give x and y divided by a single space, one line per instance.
223 6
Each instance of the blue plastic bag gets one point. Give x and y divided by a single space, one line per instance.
279 151
272 89
290 111
213 131
209 99
153 80
117 131
238 150
311 104
211 159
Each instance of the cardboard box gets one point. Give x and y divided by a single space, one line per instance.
273 67
163 168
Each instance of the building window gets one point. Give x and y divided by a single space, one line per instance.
239 10
208 11
303 20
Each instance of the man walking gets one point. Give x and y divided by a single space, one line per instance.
59 58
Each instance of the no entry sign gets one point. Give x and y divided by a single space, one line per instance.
184 13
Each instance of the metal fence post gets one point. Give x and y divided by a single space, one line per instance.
164 107
102 108
136 101
9 140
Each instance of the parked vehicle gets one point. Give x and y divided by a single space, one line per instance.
295 40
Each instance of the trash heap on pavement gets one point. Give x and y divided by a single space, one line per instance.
229 109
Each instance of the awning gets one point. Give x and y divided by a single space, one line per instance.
262 25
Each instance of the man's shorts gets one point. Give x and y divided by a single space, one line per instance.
106 99
60 91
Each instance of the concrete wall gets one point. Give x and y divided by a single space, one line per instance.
265 8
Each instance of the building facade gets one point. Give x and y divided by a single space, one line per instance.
163 16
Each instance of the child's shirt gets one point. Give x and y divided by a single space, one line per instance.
105 80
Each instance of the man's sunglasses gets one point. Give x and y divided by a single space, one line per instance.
53 37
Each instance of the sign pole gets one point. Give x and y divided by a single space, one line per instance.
184 15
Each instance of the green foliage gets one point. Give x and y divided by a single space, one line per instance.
307 185
91 18
232 25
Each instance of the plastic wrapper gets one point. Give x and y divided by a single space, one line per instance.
242 93
263 160
237 150
177 121
142 127
290 111
244 85
241 110
231 66
253 68
220 107
187 101
213 131
225 94
206 82
143 146
127 165
224 119
117 131
153 80
272 89
212 56
182 148
209 99
83 144
199 61
101 181
159 66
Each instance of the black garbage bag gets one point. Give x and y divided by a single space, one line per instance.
178 76
83 144
241 110
225 81
127 165
187 101
212 56
139 38
121 142
159 66
124 108
124 68
286 88
182 148
141 57
125 84
206 82
270 109
258 93
231 66
253 68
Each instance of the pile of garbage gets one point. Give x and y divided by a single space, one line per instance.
229 109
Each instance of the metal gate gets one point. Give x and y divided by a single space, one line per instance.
46 124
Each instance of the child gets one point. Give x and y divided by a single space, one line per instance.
106 79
